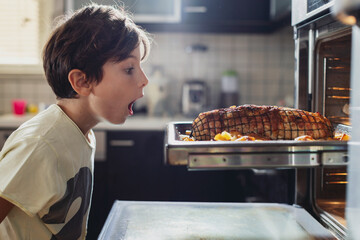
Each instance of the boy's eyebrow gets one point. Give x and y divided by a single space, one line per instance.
128 57
131 56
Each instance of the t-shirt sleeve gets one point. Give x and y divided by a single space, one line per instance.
28 176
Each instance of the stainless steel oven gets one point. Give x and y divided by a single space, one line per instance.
327 81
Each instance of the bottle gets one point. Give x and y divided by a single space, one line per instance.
229 89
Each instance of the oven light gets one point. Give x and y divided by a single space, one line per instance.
336 174
337 182
339 97
336 67
339 88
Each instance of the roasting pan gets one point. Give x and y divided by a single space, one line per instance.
206 155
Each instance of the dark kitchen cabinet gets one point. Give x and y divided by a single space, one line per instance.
222 12
206 16
136 169
230 16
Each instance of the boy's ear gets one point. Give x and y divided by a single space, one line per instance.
79 82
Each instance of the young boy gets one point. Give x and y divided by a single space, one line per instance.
92 63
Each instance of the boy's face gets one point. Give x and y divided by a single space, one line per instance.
122 83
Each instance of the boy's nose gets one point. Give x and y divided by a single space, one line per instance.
144 80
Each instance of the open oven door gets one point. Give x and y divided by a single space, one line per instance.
191 220
348 12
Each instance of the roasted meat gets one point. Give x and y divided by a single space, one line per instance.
271 122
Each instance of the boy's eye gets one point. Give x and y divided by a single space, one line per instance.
129 70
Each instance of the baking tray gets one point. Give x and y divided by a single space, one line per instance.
216 155
209 221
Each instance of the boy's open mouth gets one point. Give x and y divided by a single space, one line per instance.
131 112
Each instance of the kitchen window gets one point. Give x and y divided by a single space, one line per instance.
24 26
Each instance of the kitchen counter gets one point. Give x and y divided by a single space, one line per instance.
136 122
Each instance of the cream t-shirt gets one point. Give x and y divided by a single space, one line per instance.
46 171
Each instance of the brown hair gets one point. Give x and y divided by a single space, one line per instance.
88 39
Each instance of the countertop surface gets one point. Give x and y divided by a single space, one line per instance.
136 122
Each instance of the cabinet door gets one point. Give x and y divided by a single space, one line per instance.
136 168
221 12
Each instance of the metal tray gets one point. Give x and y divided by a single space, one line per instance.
216 155
137 220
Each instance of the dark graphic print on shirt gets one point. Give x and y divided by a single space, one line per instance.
77 187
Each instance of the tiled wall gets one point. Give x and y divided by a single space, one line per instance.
32 88
264 62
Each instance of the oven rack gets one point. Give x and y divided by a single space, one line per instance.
215 155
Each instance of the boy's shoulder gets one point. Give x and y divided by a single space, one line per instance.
50 115
34 131
45 123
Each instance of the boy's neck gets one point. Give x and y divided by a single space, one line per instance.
77 111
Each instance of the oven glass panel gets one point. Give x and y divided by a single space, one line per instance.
334 79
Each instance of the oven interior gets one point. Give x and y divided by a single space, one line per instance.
331 191
333 58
